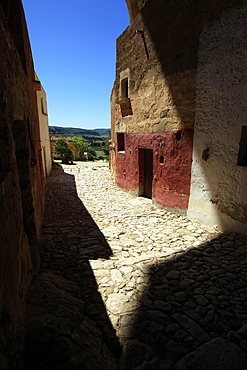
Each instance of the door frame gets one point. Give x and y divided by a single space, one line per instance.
144 155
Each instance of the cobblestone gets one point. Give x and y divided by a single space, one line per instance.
168 285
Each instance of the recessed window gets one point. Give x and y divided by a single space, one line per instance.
242 154
178 135
162 159
120 142
43 107
124 88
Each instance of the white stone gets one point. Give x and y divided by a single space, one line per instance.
126 269
116 276
116 303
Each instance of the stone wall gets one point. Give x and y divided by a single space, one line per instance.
158 100
44 127
179 67
218 191
21 179
158 53
172 154
135 6
112 154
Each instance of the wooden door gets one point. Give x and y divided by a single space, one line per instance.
146 172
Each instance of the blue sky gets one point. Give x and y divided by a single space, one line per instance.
74 49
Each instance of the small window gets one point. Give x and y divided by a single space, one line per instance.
124 88
120 142
178 135
43 107
242 155
162 159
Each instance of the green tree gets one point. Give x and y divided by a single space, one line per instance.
106 152
106 149
81 145
62 149
92 155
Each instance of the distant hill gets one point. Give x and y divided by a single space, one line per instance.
70 131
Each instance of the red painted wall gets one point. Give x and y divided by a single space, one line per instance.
171 179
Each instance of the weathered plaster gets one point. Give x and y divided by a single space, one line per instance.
171 179
218 191
155 106
187 64
44 128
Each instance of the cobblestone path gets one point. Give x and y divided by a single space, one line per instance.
124 284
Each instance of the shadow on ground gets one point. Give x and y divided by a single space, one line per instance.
194 313
192 316
67 326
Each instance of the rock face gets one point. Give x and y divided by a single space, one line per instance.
21 178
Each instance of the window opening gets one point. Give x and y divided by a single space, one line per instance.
178 135
120 142
125 88
162 159
43 107
242 154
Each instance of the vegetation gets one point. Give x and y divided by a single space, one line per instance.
106 152
62 149
81 145
91 154
94 142
96 134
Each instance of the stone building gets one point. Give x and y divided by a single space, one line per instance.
178 104
44 127
21 178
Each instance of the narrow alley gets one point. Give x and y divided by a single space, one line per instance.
126 285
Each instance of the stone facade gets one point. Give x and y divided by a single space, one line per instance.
44 127
21 178
170 82
218 189
135 6
171 165
153 109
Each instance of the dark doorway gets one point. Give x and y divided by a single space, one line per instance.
145 172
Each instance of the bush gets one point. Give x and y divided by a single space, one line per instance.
68 156
91 154
81 145
62 149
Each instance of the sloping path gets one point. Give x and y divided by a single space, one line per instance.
118 271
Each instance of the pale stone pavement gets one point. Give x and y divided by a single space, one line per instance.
119 273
